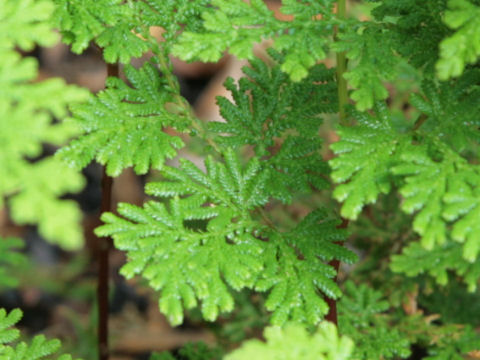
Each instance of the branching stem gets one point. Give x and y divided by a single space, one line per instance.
341 69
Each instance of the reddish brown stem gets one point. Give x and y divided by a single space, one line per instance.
332 303
104 247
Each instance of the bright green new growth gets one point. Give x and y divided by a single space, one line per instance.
463 46
294 342
205 241
123 126
27 110
39 348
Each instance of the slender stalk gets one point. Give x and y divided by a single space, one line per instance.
105 245
341 69
332 315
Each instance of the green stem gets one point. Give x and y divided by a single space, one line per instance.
341 69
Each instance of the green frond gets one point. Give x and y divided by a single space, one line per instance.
10 258
366 152
265 114
236 26
463 46
110 23
416 260
451 111
203 242
124 125
443 192
39 348
414 29
27 112
294 342
361 317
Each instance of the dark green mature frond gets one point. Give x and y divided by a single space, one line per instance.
415 29
451 111
204 241
10 258
237 25
266 113
27 112
362 318
294 342
366 152
124 125
463 46
39 348
267 104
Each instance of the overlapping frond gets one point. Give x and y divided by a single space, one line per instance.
237 25
124 125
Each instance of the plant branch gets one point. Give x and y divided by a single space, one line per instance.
105 245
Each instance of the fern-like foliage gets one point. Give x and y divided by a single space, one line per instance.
409 33
122 29
375 64
205 241
237 25
362 318
39 348
10 258
264 114
27 110
432 164
366 154
463 46
123 125
294 342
